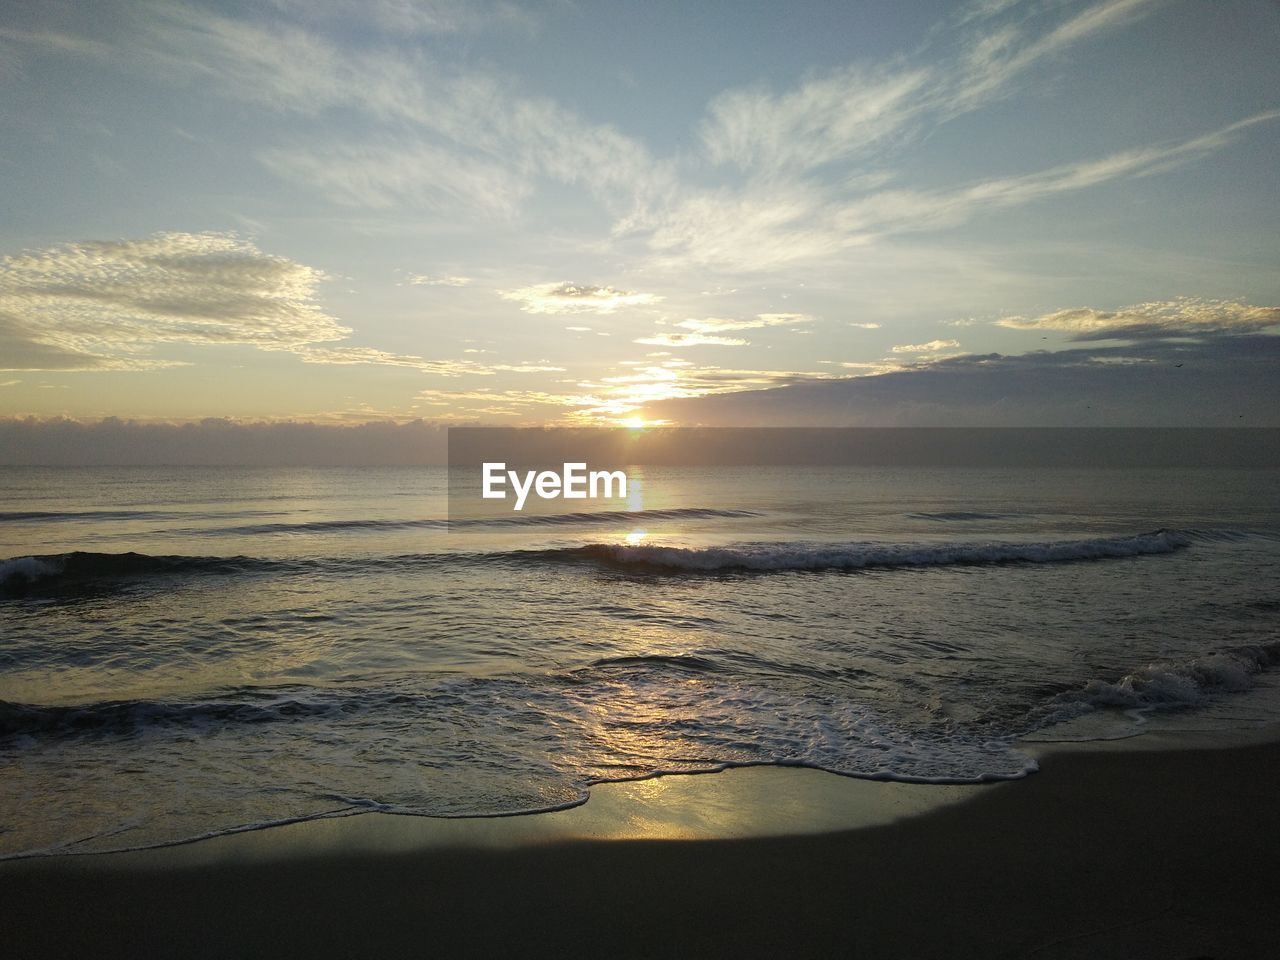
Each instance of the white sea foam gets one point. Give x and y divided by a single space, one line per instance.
553 742
22 569
1158 687
1186 684
852 556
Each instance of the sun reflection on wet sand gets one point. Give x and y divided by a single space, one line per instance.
750 802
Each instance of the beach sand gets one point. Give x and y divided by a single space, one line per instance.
1123 851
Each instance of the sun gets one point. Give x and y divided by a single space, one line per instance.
634 423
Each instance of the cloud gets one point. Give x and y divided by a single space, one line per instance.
860 108
1181 317
501 402
775 221
461 137
865 326
384 175
823 120
690 340
1222 381
422 280
22 348
866 368
947 207
441 137
633 392
477 142
787 210
716 325
755 228
983 10
109 305
933 346
443 368
992 58
399 18
566 297
106 305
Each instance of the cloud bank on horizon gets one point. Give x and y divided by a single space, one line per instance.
973 213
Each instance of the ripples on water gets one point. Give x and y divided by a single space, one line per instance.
190 652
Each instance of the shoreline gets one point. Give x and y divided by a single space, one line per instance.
1156 846
751 800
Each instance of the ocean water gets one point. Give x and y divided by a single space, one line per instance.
188 652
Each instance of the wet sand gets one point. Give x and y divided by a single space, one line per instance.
1120 852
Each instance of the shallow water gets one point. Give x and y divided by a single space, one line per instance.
296 643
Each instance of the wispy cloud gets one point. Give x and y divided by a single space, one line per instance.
384 175
444 368
690 340
506 396
505 404
567 297
992 58
423 280
854 110
853 120
981 10
626 394
950 207
933 346
870 368
457 134
57 40
813 160
719 325
780 222
401 18
633 393
821 121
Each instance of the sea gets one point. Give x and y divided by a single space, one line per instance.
191 652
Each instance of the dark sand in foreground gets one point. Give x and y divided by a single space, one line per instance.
1129 853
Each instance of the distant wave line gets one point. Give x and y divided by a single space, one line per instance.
80 570
787 557
555 519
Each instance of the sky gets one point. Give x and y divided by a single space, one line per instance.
999 212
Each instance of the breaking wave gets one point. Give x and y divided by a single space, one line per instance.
1171 684
124 717
82 570
856 556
